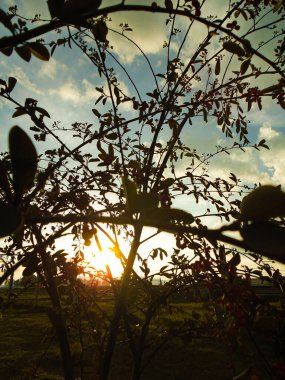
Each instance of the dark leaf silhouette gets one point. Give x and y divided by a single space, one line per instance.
10 219
39 50
263 203
267 238
100 31
24 52
24 160
233 48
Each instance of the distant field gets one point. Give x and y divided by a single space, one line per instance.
29 350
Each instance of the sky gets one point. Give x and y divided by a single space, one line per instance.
65 86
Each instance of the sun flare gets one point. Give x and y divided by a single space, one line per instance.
99 260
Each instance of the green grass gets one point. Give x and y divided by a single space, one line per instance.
29 349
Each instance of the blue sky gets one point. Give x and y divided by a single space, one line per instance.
65 86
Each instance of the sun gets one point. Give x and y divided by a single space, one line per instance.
100 259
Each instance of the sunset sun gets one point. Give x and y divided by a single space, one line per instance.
99 260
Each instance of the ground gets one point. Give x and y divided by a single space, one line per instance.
29 350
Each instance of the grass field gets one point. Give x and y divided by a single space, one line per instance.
29 349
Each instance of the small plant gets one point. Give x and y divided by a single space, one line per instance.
125 172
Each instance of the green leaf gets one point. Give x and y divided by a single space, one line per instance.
24 160
54 8
39 50
130 190
218 67
96 112
10 219
267 238
168 4
19 112
235 260
146 201
244 66
100 31
42 111
112 136
263 203
167 183
31 266
233 48
7 50
24 52
171 215
11 84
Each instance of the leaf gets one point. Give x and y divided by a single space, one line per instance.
54 8
39 50
11 84
5 20
277 5
170 215
235 260
262 144
265 237
172 124
130 190
234 48
166 183
100 31
263 203
146 201
205 115
10 219
7 50
247 47
24 52
31 268
218 67
77 8
42 111
168 4
19 112
244 66
112 136
24 160
96 112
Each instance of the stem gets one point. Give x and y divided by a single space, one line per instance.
119 308
54 24
56 315
28 255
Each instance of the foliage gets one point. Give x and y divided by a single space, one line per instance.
126 174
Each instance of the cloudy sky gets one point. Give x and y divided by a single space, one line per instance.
65 86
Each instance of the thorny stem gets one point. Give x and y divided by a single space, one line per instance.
28 255
56 315
119 307
210 234
55 24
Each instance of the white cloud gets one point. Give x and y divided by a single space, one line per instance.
266 132
251 166
70 92
148 33
273 159
49 70
245 165
24 80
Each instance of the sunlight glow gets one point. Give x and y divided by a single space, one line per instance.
100 259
